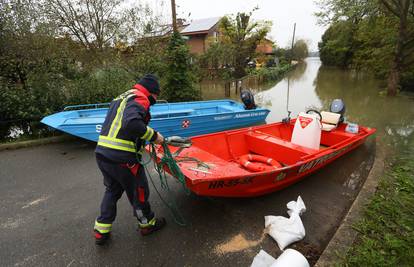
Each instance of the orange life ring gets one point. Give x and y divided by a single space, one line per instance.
247 161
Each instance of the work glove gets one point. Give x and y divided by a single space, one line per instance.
160 139
178 141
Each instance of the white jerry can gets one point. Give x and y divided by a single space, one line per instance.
307 131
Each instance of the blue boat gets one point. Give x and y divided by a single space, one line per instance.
183 119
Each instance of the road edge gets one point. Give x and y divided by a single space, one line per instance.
36 142
345 235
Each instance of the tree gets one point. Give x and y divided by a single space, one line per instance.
335 49
93 23
17 40
379 36
300 50
33 63
217 58
179 78
403 10
374 43
242 36
338 43
333 11
45 66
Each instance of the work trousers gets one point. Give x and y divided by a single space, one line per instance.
119 178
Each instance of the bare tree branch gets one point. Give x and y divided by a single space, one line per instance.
90 17
390 8
93 22
66 20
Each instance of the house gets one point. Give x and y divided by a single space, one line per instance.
265 47
198 33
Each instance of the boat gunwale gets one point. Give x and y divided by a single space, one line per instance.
67 108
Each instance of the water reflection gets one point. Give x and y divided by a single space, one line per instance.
314 86
295 92
392 116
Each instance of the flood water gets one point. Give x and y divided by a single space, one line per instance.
313 86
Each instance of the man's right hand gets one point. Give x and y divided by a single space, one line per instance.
160 138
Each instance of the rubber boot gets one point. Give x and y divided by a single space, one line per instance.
154 225
101 239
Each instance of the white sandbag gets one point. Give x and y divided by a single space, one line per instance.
262 259
287 230
291 258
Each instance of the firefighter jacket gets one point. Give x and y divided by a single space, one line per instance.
125 129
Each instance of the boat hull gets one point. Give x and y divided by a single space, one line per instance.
183 119
226 178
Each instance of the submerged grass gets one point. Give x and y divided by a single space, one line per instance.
386 232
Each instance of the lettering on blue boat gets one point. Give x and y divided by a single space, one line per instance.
224 117
321 160
230 183
251 114
98 128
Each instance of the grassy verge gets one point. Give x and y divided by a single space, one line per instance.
386 233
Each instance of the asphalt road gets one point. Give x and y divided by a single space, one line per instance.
50 196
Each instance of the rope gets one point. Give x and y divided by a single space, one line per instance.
199 162
169 162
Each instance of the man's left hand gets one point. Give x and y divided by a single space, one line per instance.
160 139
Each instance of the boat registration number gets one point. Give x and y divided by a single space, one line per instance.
230 183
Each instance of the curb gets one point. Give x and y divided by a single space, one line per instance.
37 142
345 235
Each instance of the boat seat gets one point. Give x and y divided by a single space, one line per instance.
272 146
228 109
172 113
330 120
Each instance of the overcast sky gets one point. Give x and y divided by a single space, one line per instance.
283 14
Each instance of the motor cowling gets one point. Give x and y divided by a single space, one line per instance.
248 99
338 106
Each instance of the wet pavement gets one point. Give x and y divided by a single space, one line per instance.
50 196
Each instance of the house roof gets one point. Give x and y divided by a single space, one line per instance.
200 25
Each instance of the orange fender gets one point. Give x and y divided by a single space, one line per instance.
248 162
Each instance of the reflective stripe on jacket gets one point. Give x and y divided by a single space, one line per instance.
126 129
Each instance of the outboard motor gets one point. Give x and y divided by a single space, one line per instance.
338 106
248 99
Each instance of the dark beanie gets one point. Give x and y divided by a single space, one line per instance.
150 82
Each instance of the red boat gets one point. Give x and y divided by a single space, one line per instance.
258 160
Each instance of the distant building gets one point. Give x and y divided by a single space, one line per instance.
265 47
198 32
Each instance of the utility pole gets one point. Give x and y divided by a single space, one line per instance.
287 119
293 42
174 16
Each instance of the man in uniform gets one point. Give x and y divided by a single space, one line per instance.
121 142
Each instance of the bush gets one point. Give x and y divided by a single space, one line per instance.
272 73
100 86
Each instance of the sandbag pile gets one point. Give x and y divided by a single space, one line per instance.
285 231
